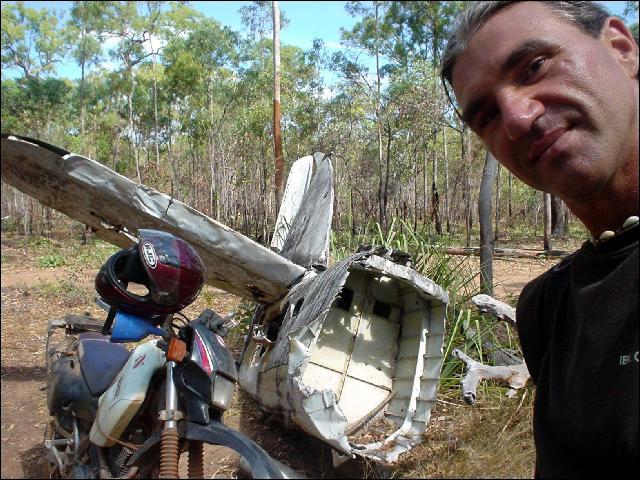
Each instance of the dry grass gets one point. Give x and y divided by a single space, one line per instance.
491 439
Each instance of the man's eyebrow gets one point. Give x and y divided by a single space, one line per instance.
524 50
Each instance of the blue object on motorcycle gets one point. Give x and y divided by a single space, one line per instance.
131 328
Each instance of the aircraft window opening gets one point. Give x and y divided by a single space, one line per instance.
345 297
297 307
273 328
382 309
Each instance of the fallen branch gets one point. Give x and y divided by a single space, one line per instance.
516 375
508 367
498 309
507 252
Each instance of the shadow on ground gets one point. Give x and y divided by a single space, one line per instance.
33 462
300 451
24 374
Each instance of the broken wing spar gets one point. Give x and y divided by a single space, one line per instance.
91 193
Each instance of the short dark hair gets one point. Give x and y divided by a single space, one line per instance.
588 16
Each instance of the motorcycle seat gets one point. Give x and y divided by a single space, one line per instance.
100 360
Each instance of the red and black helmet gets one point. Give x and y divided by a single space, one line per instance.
168 266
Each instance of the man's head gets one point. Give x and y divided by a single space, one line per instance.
551 88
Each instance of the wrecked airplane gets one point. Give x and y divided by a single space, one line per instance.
350 354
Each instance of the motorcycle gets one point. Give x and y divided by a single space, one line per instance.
131 414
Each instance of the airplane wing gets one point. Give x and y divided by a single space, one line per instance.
111 204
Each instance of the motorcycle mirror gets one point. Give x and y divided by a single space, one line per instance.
131 328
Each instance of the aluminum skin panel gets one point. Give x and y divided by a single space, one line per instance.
91 193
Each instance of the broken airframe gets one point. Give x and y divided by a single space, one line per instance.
350 353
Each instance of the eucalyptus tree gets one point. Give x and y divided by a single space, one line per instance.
277 132
85 31
370 34
201 79
420 29
31 40
32 45
129 29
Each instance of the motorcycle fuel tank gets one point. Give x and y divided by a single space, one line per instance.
120 403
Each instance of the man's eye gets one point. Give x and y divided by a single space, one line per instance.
485 119
533 68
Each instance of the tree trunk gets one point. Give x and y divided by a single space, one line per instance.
510 211
132 136
559 222
446 180
81 88
415 197
425 197
156 123
385 194
277 136
213 191
352 207
381 186
489 175
435 196
466 156
497 222
547 220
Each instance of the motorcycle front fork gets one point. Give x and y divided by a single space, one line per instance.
170 440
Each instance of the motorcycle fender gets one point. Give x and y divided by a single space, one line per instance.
215 433
120 403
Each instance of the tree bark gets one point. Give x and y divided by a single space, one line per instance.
435 196
484 214
156 123
496 227
446 180
559 224
382 169
466 156
510 207
132 135
277 134
547 221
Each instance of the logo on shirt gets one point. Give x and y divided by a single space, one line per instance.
627 359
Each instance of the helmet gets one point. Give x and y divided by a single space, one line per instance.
168 266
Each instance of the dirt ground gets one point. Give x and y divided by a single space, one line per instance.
32 295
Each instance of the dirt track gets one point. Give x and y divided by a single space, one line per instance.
30 298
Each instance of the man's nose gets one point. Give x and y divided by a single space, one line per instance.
519 113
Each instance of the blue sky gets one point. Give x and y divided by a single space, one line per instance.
307 20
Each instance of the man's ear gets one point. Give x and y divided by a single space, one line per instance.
620 40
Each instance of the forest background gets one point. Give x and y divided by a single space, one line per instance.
186 108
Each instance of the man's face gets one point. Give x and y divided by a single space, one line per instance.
556 106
